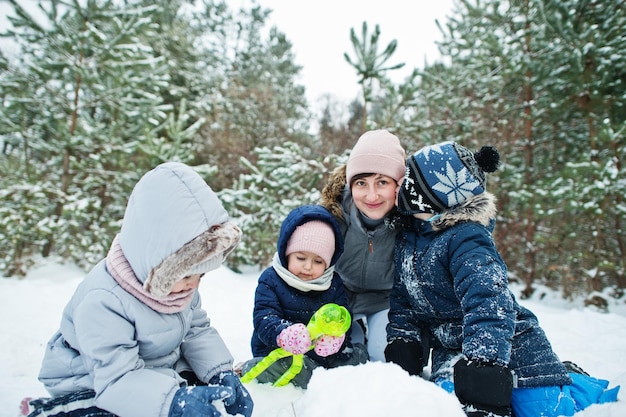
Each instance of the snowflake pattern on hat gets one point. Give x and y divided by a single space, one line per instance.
422 205
457 185
439 177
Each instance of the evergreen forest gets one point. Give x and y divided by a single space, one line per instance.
105 90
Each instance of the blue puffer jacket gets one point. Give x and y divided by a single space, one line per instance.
278 305
452 286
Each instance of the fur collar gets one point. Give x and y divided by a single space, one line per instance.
480 208
331 195
218 241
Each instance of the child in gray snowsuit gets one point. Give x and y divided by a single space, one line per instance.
134 340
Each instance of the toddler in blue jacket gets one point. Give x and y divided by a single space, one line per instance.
300 281
451 295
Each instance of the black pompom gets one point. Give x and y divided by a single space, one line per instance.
487 158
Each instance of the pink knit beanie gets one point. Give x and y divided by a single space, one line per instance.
316 237
377 152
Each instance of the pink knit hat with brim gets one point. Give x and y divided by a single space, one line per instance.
377 152
316 237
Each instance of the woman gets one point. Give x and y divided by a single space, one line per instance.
362 195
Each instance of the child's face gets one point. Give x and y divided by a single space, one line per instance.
190 282
375 195
306 265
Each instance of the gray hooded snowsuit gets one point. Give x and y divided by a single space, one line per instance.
111 342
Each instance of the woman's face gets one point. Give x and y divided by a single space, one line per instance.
374 195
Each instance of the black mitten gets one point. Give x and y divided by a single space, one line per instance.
407 354
483 388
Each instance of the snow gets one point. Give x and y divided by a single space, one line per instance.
31 309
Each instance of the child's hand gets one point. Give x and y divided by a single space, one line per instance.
295 339
240 403
197 400
329 345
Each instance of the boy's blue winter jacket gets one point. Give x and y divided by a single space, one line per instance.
278 305
452 286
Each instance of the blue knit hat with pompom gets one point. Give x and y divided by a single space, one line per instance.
443 176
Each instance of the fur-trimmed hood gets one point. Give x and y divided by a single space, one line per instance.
480 208
174 222
304 214
204 253
331 196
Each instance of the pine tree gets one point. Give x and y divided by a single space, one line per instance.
83 104
106 90
524 76
261 104
282 179
369 63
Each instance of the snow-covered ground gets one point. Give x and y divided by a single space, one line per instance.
31 308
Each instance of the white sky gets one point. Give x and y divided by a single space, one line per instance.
320 33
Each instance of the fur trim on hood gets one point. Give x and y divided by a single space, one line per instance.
331 196
215 243
480 208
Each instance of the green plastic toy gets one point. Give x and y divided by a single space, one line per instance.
331 319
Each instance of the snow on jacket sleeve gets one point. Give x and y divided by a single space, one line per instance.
480 283
403 321
123 385
203 347
267 316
